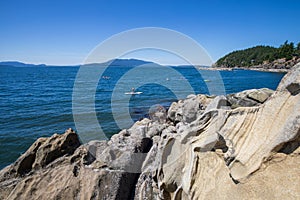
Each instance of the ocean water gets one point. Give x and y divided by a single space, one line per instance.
37 101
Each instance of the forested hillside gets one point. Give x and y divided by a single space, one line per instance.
258 55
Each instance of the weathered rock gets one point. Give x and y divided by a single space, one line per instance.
260 95
294 88
144 188
95 149
55 147
44 151
67 181
249 98
172 112
128 149
220 102
189 109
290 83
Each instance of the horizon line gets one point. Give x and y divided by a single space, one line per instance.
81 64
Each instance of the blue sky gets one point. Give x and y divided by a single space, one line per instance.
65 31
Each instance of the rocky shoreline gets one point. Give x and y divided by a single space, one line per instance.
279 65
238 146
266 70
258 68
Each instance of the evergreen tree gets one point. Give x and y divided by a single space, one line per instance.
286 50
298 49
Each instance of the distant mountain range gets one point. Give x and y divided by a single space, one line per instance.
20 64
116 62
128 62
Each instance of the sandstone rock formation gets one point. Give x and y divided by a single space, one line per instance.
239 146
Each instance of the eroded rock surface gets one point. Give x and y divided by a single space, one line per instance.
238 146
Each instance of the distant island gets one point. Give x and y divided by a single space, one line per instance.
265 58
115 62
20 64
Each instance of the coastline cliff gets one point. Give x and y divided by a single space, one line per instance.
238 146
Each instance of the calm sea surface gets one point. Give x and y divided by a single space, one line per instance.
37 101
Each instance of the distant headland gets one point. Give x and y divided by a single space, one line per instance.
264 58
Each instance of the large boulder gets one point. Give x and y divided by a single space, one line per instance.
260 95
220 102
44 151
189 109
249 98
